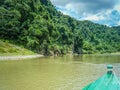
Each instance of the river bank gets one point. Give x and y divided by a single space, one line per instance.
20 57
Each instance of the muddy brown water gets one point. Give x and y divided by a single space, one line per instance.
55 73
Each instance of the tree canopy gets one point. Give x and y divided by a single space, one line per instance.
38 26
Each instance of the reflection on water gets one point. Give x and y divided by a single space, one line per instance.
55 73
99 59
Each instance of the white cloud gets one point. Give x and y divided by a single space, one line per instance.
93 17
99 11
89 6
68 10
118 23
117 7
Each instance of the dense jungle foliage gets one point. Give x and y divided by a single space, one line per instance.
38 26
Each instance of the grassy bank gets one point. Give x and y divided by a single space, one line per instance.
8 49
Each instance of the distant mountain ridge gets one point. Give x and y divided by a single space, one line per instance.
38 26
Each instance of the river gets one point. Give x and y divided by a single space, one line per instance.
55 73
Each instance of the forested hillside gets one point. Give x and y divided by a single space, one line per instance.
38 26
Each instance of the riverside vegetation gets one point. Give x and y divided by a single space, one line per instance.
7 49
39 27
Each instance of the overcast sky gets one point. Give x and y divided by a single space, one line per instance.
100 11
